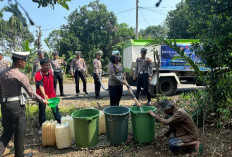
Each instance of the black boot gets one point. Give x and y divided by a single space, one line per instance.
62 94
149 103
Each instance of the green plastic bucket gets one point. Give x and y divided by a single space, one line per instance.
53 102
143 124
86 127
116 118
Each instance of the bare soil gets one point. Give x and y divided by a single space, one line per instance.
215 141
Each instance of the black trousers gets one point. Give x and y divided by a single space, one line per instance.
115 93
42 114
97 84
142 81
58 76
13 122
78 75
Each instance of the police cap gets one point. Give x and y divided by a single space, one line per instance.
99 53
40 52
78 52
20 55
116 53
55 53
143 50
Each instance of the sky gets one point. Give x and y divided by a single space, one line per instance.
125 10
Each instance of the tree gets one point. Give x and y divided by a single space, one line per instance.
45 3
212 22
54 40
178 22
151 31
13 8
91 28
13 34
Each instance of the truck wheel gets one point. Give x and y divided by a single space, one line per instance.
167 86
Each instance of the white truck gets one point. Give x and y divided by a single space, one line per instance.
172 72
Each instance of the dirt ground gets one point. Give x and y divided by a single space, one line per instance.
215 141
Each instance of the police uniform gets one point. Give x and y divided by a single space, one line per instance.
78 68
115 81
58 73
36 64
143 70
97 70
13 105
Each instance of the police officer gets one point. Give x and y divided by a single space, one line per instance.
58 72
97 71
3 63
143 71
36 63
116 79
78 70
13 104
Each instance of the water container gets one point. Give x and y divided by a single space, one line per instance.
117 123
143 124
48 133
63 137
102 123
69 119
71 125
86 127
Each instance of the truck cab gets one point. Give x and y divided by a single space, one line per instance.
172 72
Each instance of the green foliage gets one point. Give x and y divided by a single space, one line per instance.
13 8
212 22
25 46
48 54
45 3
151 31
200 106
53 40
13 34
32 113
90 28
178 22
197 104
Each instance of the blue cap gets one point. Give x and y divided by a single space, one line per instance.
55 53
143 50
40 52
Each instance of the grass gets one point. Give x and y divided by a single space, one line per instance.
32 113
69 80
